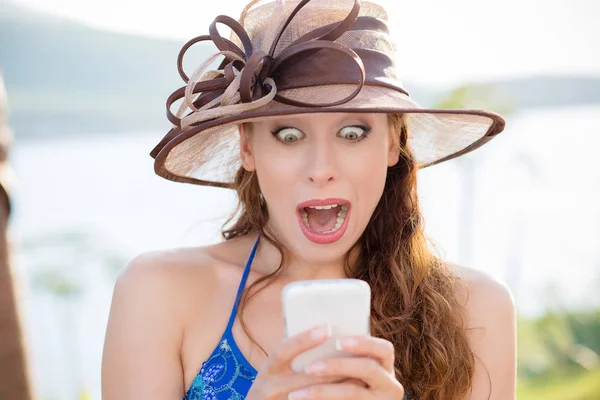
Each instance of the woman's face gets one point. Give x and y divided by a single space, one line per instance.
321 176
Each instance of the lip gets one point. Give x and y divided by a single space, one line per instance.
325 202
323 238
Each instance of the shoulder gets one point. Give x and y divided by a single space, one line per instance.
489 307
176 277
156 298
154 288
478 291
163 271
173 280
157 281
490 322
145 329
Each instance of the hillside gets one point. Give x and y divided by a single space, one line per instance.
64 77
57 70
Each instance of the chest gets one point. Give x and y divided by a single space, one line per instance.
264 323
229 370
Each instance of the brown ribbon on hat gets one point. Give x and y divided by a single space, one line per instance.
247 79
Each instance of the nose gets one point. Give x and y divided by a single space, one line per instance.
322 163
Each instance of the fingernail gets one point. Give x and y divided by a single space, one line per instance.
346 343
315 368
321 332
298 395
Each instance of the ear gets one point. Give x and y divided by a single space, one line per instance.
393 154
246 154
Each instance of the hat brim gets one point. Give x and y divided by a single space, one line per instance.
208 154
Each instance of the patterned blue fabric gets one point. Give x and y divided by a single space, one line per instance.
226 374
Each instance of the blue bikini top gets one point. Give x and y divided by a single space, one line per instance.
227 374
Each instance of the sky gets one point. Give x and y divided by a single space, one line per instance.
440 42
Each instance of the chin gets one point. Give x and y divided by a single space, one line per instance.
322 253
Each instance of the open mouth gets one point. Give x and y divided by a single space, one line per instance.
324 221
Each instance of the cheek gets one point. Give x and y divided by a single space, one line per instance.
275 171
370 163
367 175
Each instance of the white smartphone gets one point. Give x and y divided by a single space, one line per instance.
343 304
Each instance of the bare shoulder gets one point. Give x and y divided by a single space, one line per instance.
171 276
478 291
163 282
166 272
491 331
155 298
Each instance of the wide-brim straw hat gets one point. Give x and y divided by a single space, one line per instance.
297 57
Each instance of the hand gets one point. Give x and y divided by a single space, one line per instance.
372 364
276 379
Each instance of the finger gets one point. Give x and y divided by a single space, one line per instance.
337 391
369 346
297 344
283 385
365 369
353 381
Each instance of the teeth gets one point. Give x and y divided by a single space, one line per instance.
304 216
337 226
327 207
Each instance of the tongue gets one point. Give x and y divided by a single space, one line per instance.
321 220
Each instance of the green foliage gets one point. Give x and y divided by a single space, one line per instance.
478 96
60 285
59 260
558 356
585 328
558 342
581 386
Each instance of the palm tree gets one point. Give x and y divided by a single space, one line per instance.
14 371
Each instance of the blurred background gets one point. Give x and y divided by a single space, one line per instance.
86 82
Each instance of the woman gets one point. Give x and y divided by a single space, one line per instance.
305 118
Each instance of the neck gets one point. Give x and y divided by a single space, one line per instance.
296 268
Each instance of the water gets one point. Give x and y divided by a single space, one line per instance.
536 224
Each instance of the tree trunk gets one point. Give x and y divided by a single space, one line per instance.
14 370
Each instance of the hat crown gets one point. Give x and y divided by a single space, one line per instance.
263 21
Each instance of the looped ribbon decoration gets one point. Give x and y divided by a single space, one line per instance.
246 78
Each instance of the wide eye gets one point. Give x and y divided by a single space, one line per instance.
353 133
288 135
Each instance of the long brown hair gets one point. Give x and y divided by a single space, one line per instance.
414 300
